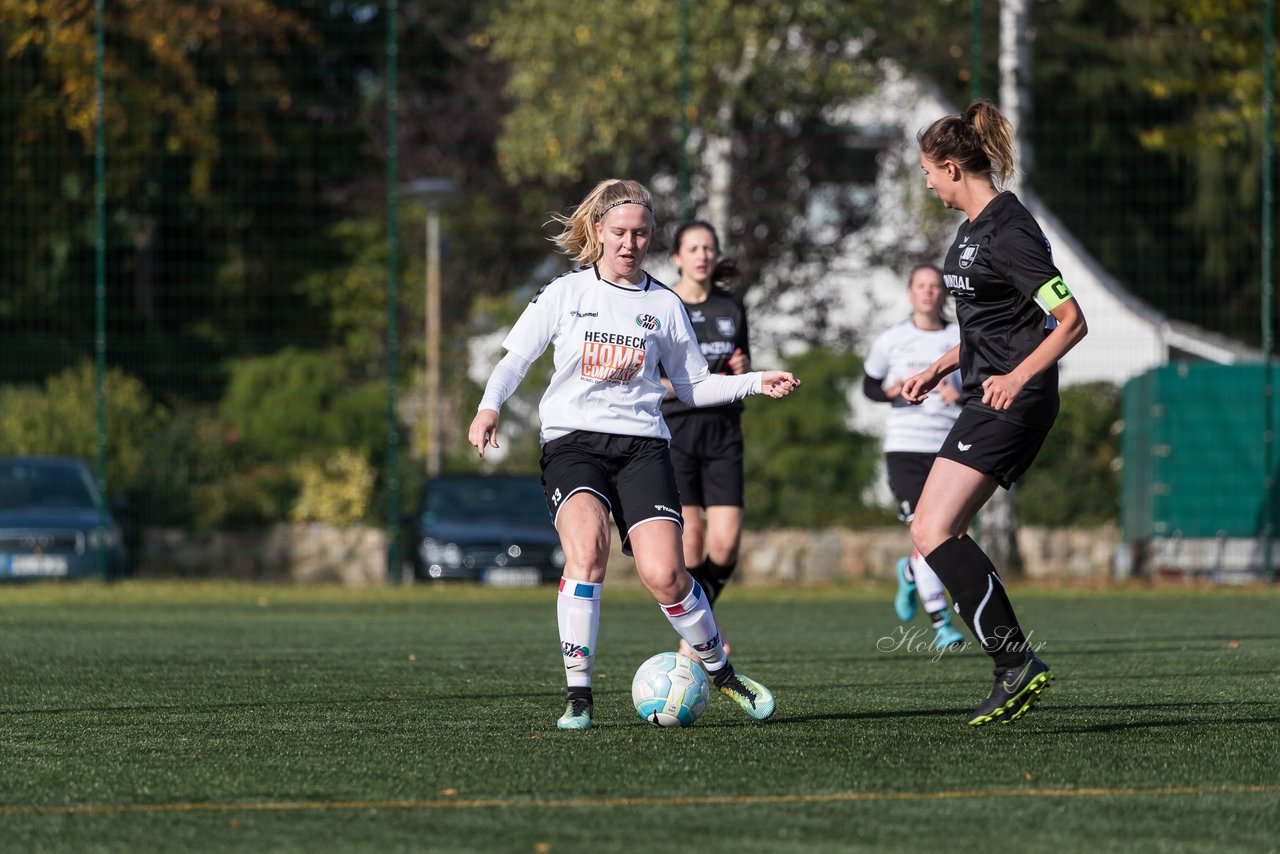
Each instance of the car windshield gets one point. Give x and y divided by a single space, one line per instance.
518 500
29 485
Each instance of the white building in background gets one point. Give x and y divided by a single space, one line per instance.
861 296
1126 337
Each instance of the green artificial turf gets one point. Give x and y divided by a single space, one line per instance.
169 717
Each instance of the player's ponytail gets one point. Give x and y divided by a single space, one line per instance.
979 140
996 136
577 238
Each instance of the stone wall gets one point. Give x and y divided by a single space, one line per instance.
835 554
357 555
285 552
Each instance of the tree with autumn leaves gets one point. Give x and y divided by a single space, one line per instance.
246 152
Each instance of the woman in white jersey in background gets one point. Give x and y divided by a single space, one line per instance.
913 434
604 442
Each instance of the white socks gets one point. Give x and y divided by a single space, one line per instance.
691 617
933 595
578 612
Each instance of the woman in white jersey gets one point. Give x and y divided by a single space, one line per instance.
913 434
604 442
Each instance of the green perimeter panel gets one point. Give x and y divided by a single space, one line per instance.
1138 414
1193 451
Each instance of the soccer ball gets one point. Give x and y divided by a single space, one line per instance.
670 690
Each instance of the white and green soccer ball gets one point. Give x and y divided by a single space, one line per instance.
670 690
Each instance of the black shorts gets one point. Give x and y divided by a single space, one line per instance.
706 450
908 471
987 442
630 474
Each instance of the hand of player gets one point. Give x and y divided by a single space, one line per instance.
779 384
894 391
917 388
739 362
949 393
999 391
484 430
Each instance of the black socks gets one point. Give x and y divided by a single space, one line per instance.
980 599
713 577
723 675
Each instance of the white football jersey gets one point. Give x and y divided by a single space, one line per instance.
902 351
608 342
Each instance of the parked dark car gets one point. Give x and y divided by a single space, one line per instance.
53 522
494 529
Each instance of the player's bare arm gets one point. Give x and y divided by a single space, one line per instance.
917 387
999 391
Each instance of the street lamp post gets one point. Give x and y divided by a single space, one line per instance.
433 193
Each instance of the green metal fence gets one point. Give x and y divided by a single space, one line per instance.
209 268
1194 460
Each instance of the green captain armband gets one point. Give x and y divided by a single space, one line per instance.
1052 294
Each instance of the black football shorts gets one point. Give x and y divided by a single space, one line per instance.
908 470
632 475
706 450
985 440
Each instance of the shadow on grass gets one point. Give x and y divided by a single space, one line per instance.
1208 715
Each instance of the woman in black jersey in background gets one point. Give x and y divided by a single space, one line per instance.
1017 319
706 442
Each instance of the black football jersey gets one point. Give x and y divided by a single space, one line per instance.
993 270
720 325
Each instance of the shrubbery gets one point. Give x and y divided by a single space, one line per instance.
1076 480
291 440
62 419
804 466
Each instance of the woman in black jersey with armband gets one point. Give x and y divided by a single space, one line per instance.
706 442
1017 319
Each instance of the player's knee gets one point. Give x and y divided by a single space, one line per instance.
585 558
925 536
668 584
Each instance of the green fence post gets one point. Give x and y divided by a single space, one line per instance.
100 277
393 298
975 50
1268 432
686 209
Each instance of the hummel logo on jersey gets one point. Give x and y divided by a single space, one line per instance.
555 496
665 509
962 446
584 314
